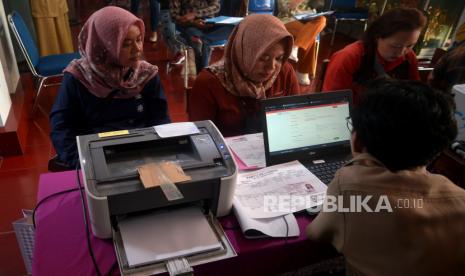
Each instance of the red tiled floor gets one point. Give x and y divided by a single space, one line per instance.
19 190
11 262
20 182
38 134
12 209
33 156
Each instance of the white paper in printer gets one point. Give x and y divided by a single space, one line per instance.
165 235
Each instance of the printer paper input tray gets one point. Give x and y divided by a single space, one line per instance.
159 267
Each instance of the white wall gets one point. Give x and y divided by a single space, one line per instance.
9 74
5 100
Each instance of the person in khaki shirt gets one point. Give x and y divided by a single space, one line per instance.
419 229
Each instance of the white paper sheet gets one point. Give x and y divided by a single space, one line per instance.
249 149
282 226
311 15
231 20
164 235
279 185
228 20
176 129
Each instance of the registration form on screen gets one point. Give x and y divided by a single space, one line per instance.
307 126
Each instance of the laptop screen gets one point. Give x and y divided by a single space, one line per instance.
306 123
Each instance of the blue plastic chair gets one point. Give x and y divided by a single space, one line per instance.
261 6
345 10
42 68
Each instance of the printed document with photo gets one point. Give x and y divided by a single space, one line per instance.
262 193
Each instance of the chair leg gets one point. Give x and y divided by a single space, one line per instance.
334 33
36 98
317 49
186 67
186 100
37 81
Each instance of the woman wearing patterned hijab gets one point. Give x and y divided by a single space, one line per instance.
109 87
254 67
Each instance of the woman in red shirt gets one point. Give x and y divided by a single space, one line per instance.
254 67
384 51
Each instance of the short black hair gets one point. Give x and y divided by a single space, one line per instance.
404 124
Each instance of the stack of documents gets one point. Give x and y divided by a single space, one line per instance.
265 200
248 151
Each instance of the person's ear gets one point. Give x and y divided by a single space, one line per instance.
356 144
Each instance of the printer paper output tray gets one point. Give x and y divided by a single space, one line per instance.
227 251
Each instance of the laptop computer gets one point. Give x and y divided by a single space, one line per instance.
310 128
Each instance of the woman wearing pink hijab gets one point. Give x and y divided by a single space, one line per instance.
109 87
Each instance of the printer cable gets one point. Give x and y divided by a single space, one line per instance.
287 229
80 188
45 199
84 210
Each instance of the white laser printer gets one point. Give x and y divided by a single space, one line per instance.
115 193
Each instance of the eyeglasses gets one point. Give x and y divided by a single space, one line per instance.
350 127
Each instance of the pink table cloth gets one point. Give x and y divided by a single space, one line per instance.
61 247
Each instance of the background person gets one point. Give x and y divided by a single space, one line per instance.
110 87
168 31
154 16
52 26
384 51
450 70
304 33
189 17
